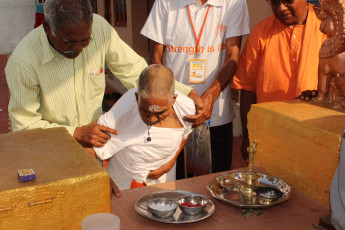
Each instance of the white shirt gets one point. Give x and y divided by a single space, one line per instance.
132 156
169 24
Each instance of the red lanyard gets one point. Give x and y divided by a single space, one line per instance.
197 39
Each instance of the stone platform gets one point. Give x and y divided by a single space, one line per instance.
69 184
298 142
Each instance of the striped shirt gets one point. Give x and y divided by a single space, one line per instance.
49 90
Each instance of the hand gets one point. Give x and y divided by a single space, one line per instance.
208 99
157 173
206 111
113 188
196 119
93 134
244 147
307 95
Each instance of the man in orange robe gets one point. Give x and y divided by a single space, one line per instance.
280 58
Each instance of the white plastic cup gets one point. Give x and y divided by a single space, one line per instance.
101 221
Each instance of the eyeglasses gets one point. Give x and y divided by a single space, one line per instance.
277 2
83 42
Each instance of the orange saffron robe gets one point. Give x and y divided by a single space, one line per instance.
278 62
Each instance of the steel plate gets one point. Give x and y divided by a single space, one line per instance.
231 195
179 217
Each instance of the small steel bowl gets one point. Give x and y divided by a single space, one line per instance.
162 207
193 199
268 194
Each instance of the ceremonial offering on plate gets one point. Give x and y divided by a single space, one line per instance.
175 207
250 189
192 204
162 207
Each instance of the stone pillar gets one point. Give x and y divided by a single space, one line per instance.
69 184
298 142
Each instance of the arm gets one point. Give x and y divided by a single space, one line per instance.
324 71
238 21
246 100
224 76
155 174
246 80
156 53
123 61
323 82
25 107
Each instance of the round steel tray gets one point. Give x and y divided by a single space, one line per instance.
232 196
179 217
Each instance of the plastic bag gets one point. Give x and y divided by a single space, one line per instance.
198 151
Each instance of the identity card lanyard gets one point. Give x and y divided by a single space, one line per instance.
197 67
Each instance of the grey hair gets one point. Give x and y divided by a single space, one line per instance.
157 81
59 12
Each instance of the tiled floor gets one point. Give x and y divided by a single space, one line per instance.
237 161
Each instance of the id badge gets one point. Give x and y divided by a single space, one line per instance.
197 70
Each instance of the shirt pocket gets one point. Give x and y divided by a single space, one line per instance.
96 82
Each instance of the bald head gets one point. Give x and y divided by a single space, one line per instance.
58 13
156 81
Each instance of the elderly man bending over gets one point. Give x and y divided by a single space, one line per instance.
151 128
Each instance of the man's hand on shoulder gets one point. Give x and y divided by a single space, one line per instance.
198 118
207 100
93 134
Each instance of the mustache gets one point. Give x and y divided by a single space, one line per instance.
70 52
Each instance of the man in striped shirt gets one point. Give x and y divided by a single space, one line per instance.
56 73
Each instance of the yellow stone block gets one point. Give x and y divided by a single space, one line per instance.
69 184
298 142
